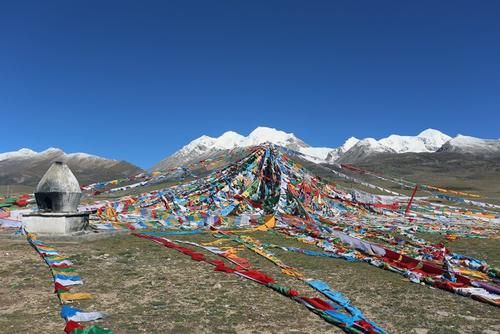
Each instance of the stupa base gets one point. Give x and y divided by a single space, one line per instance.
55 223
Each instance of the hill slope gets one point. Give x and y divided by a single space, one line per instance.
26 167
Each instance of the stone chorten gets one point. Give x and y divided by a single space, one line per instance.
57 196
58 190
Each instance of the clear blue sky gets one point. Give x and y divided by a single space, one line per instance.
136 80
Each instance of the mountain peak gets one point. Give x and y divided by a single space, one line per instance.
428 140
431 133
374 144
265 130
433 139
350 142
231 134
205 145
52 150
203 138
25 153
468 144
465 141
198 145
263 134
25 150
228 140
22 153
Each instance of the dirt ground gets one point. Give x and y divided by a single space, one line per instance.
147 288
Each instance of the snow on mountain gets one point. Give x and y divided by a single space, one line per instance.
433 139
348 144
316 154
364 148
336 153
401 144
429 140
82 156
467 144
263 134
374 145
21 154
198 146
26 153
26 166
229 140
466 141
205 145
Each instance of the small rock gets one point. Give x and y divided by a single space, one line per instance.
443 313
217 286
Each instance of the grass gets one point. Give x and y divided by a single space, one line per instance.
7 190
147 288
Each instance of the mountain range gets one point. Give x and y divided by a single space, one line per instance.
351 151
26 166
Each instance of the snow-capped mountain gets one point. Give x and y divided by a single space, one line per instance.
205 146
231 139
353 149
26 166
26 153
363 148
429 140
336 153
466 144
